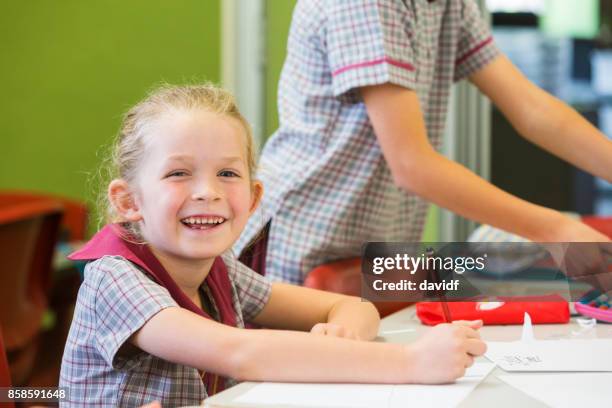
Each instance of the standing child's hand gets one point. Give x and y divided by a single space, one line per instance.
443 353
334 330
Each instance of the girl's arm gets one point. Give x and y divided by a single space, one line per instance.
545 120
180 336
297 308
417 167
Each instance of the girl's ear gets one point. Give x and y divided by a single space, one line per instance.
123 200
256 195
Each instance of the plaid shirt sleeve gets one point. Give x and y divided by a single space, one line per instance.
369 42
253 290
476 47
124 301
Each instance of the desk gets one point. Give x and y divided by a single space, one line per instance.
490 392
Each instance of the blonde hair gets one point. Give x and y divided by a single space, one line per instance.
127 149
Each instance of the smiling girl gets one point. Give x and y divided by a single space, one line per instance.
161 312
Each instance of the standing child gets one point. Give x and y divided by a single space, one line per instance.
362 101
161 313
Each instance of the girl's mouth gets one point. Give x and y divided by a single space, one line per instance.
202 223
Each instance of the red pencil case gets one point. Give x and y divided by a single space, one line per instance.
502 310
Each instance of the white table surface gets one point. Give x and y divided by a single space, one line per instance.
491 392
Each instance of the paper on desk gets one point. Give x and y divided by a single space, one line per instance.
552 355
530 354
579 389
366 395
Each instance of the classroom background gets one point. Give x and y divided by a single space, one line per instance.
71 68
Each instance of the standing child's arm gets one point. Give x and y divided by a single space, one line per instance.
416 166
545 120
180 336
297 308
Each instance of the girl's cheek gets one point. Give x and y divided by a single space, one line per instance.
175 190
170 198
239 191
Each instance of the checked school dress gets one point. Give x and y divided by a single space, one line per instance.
328 189
101 368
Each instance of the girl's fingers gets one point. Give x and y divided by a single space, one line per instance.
330 329
319 328
473 324
468 332
333 330
349 334
469 362
475 347
471 333
339 331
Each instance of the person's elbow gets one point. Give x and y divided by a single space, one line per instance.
228 353
241 358
410 173
239 366
406 178
238 360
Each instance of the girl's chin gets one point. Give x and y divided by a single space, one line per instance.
204 251
195 256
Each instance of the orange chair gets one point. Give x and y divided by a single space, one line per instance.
345 277
28 235
76 213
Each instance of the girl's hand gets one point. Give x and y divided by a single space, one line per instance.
334 330
445 351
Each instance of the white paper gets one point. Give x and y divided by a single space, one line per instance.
552 355
567 390
318 395
366 395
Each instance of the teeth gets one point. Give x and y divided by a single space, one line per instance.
200 221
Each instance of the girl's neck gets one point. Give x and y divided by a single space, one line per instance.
189 274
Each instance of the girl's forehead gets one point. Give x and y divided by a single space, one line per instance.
196 132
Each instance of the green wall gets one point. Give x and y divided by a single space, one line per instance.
71 68
279 19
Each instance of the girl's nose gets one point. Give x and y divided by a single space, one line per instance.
206 192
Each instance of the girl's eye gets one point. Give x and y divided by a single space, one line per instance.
177 173
228 173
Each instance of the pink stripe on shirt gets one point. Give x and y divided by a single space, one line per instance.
388 60
473 51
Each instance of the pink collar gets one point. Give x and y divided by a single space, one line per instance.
109 241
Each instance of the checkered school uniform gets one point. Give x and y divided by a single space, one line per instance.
114 301
328 189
